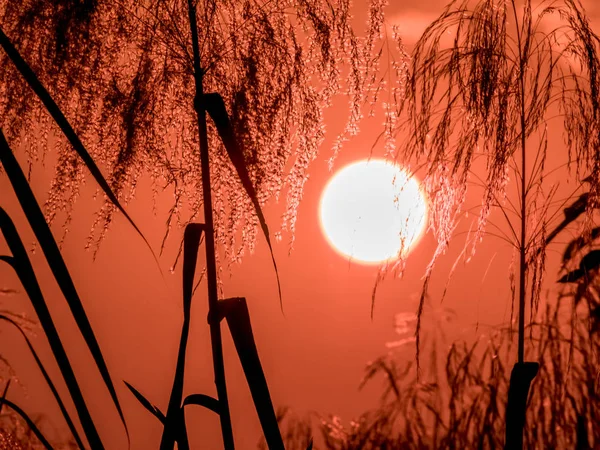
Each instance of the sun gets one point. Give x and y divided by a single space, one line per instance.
372 211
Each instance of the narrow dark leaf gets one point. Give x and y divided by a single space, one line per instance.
34 83
48 380
192 237
215 106
156 412
572 212
193 399
578 243
238 320
173 426
42 232
590 261
30 423
202 400
572 277
22 266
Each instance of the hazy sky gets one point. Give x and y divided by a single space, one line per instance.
314 355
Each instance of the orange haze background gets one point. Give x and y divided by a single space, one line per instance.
313 355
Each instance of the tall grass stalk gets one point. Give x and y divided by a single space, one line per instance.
459 399
483 81
211 269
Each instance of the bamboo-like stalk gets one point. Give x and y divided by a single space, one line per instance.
174 426
211 270
522 243
513 424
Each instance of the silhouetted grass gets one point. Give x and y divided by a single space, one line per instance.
21 264
234 310
459 400
486 78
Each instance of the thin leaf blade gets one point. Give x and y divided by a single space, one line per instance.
572 277
154 410
42 232
215 106
174 427
590 261
4 394
235 311
206 401
24 270
35 84
48 380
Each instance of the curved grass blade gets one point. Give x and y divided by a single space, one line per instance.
571 212
173 426
202 400
156 412
589 262
235 310
49 382
30 423
51 251
215 106
22 266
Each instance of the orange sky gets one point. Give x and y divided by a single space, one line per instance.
314 355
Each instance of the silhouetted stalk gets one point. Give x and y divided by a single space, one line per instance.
484 93
174 427
522 260
211 270
173 422
517 406
522 246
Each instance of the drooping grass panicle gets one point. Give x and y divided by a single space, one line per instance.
276 64
485 80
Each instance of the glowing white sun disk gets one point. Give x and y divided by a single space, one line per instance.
372 211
